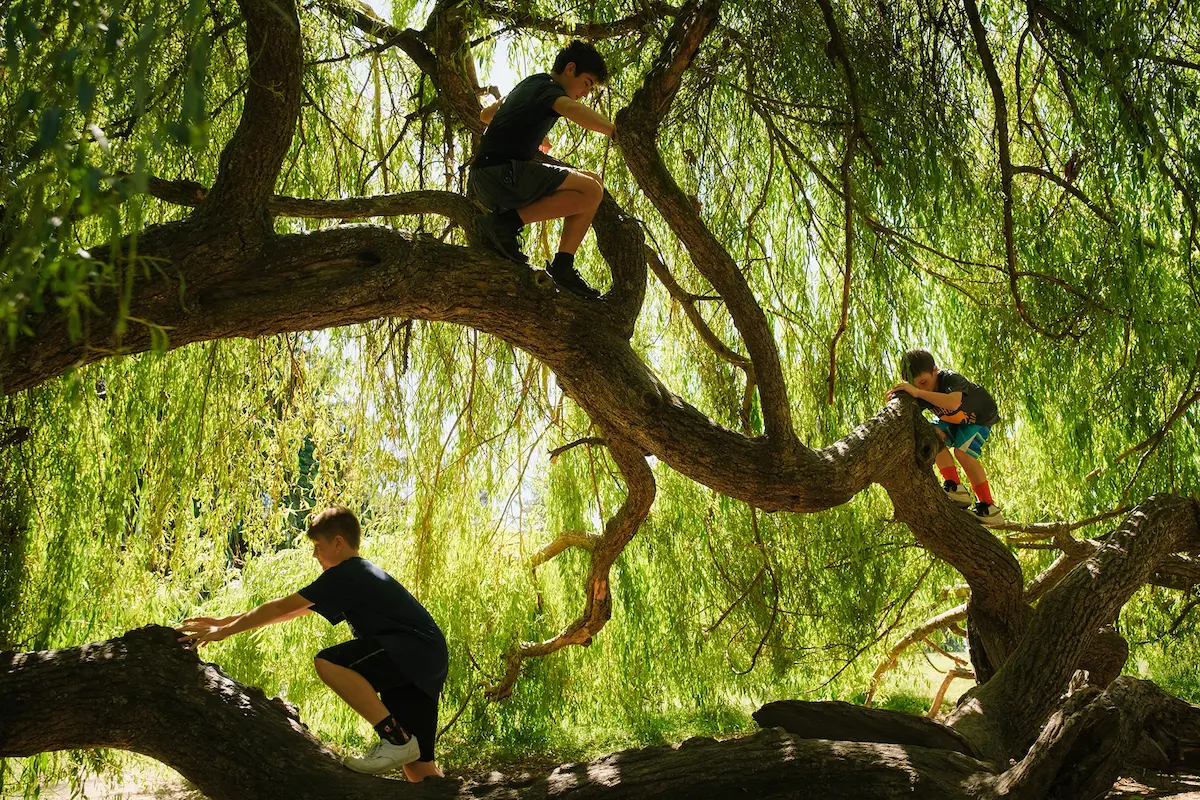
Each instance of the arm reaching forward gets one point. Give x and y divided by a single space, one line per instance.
584 116
201 630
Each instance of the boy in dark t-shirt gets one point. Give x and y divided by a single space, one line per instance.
391 673
520 191
966 414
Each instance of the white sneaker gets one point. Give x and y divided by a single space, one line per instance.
958 495
988 515
384 756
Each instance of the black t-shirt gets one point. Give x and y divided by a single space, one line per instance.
522 122
377 606
978 407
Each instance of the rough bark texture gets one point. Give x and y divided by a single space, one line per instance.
144 692
848 722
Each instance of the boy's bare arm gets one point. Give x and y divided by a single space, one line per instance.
199 630
946 402
584 116
490 111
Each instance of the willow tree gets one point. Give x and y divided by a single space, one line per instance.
1018 181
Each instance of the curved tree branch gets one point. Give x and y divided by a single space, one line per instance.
618 532
251 161
637 133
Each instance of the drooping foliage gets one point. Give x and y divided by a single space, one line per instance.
154 487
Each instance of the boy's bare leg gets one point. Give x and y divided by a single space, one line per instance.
418 771
354 689
943 459
575 227
578 195
971 466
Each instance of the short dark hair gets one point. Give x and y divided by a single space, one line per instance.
335 521
916 362
585 58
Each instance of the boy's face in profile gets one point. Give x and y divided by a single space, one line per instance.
328 552
926 381
576 86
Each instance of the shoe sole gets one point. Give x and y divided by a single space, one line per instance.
986 522
584 291
348 764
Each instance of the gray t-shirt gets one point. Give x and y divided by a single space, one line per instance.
522 122
978 407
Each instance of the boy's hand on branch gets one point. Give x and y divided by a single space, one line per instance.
202 630
545 145
905 386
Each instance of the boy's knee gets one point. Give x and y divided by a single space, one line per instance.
322 666
595 185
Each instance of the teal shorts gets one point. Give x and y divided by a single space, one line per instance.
969 438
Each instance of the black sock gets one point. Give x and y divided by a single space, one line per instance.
563 260
511 219
390 730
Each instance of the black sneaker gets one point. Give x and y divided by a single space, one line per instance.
957 494
568 278
988 514
493 233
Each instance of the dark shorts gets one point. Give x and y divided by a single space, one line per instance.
416 711
514 184
969 438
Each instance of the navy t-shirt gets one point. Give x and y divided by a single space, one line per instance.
522 122
377 606
978 407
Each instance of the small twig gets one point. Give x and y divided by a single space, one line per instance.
599 441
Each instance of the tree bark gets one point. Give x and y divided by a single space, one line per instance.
146 693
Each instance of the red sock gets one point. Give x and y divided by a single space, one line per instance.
949 473
983 493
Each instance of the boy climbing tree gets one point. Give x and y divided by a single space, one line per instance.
966 414
391 673
520 191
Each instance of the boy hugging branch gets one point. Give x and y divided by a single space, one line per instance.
391 673
520 191
966 414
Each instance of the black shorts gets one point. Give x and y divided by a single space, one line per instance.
416 711
514 184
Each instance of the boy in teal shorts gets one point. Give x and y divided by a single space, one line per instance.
966 414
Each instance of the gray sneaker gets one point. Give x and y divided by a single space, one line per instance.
988 515
957 493
385 756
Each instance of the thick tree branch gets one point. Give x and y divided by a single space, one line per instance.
145 693
1073 612
637 132
251 161
561 543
